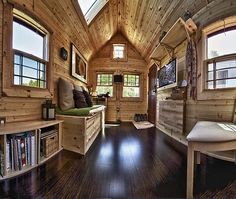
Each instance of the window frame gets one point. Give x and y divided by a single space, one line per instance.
112 85
203 93
125 52
8 87
215 60
140 98
93 11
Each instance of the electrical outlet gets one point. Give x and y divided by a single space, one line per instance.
2 120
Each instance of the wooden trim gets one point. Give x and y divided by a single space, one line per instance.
219 25
125 59
141 86
202 92
9 89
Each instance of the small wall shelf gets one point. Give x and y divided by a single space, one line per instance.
20 145
175 36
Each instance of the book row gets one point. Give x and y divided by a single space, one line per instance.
20 151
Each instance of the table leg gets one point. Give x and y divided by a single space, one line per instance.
103 122
190 171
198 158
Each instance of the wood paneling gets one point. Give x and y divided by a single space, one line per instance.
1 24
66 29
119 108
172 115
142 22
207 109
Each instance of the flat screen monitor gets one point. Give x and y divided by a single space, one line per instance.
167 76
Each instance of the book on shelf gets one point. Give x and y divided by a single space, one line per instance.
21 151
1 163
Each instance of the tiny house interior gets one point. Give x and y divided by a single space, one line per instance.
117 99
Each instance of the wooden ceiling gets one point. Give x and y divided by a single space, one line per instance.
140 21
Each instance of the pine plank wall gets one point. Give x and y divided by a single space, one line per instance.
119 108
62 18
206 109
64 32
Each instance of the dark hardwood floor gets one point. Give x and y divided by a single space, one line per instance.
123 163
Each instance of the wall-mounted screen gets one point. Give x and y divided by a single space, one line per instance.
167 76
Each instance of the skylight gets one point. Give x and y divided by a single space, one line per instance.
91 8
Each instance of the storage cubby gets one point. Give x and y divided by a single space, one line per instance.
48 142
21 143
21 151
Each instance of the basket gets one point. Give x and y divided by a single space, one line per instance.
51 145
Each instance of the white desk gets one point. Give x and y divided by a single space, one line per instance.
208 136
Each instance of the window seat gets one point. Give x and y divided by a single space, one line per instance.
81 127
81 111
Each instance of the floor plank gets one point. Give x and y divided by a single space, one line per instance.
123 163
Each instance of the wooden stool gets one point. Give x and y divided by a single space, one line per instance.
208 136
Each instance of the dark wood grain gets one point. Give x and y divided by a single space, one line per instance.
124 163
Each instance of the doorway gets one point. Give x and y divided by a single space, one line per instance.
152 98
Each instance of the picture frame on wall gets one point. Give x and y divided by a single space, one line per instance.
79 66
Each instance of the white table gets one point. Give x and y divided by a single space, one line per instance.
208 136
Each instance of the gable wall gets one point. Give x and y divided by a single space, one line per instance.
102 62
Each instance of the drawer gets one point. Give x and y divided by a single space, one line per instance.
92 120
96 125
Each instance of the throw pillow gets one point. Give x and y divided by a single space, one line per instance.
80 100
88 98
65 93
78 88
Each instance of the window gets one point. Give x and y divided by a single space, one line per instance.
104 84
119 51
221 62
131 86
221 42
30 47
91 8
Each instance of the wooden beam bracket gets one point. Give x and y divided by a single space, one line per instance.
169 50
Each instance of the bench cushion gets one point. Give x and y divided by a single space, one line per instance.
80 111
205 131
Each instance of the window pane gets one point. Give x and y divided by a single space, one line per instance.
16 69
42 76
30 62
131 92
26 40
29 75
43 67
131 80
17 59
16 80
210 67
210 75
104 89
225 64
118 50
42 84
104 79
29 72
29 82
210 85
222 44
229 83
